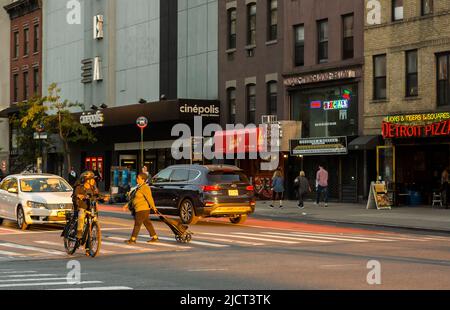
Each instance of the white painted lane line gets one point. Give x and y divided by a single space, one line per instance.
47 284
252 238
29 275
348 238
7 253
16 271
209 244
312 238
329 238
404 238
291 237
33 280
32 248
198 236
126 246
99 288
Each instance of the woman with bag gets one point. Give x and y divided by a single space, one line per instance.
141 200
277 188
303 187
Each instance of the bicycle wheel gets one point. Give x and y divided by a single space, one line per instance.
95 239
70 238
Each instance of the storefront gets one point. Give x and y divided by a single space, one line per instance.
119 139
416 150
328 104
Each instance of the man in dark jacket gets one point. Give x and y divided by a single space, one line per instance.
303 187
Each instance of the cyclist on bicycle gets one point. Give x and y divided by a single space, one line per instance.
85 190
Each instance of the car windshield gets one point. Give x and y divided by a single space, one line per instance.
44 185
224 177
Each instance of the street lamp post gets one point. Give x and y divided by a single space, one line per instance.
142 123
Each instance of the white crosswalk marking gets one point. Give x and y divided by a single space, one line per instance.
313 238
244 236
198 236
28 275
15 272
33 280
7 253
165 244
290 237
31 248
344 237
126 246
209 244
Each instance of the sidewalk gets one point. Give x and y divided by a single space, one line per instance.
418 218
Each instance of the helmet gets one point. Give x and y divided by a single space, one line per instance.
87 175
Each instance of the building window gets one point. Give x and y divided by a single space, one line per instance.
251 24
322 27
16 45
397 10
379 78
26 43
272 19
251 104
299 52
25 85
443 85
272 95
16 88
36 81
411 74
348 47
231 95
427 7
36 39
231 28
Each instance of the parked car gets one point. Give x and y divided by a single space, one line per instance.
34 199
197 191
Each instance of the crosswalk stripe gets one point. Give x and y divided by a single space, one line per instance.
32 248
335 238
291 237
15 272
47 284
156 244
209 244
252 238
198 236
99 288
405 238
59 244
313 238
346 238
126 246
32 280
29 275
10 253
164 244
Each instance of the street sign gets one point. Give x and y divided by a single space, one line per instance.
142 122
40 136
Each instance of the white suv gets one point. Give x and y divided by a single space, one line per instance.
34 199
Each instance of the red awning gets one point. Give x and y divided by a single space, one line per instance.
240 141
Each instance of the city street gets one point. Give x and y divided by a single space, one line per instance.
260 254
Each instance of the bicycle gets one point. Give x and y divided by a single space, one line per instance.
91 237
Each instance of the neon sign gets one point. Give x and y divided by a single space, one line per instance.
316 105
335 105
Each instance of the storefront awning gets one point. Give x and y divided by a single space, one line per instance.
364 143
8 111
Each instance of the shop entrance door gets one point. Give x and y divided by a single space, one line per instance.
349 168
386 164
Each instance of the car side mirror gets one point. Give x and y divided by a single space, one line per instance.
13 190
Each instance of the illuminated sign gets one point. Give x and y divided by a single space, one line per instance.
319 146
316 105
93 120
335 105
416 125
321 77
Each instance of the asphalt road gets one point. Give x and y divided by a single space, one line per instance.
261 254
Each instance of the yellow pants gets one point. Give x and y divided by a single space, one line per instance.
81 217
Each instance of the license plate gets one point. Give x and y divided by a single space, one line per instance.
62 214
233 192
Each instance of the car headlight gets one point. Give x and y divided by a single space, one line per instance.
36 205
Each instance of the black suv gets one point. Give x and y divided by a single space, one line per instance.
195 191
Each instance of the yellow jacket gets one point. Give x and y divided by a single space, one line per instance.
143 198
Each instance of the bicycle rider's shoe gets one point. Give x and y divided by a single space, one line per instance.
153 240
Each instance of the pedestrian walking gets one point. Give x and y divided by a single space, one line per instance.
141 200
303 187
445 187
322 185
277 188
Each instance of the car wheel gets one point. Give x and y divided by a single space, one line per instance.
240 219
187 213
21 223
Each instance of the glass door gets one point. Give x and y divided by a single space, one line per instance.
386 164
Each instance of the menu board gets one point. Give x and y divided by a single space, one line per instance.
378 197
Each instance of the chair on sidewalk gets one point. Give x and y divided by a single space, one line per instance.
437 200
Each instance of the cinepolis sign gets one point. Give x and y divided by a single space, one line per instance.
211 110
416 125
94 120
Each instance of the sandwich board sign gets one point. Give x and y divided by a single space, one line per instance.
378 197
